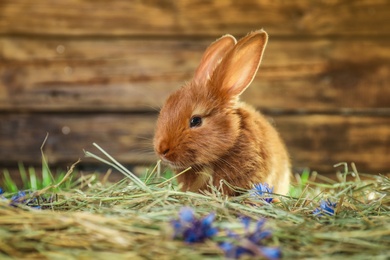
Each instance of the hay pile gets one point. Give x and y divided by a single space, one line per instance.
132 219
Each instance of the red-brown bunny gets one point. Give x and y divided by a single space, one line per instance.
203 125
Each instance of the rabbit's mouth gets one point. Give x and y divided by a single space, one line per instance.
178 168
173 165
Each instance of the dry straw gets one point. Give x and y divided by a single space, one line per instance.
131 219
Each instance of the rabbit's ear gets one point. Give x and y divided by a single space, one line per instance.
237 70
212 57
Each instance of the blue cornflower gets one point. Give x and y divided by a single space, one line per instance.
28 198
327 207
21 198
262 191
250 243
192 229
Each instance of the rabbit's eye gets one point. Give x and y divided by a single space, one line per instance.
195 121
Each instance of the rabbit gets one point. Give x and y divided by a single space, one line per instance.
203 125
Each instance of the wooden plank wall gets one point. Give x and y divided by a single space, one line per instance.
97 71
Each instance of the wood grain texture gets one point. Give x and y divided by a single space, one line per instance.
127 137
194 17
315 141
97 71
128 75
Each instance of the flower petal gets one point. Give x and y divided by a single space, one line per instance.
246 221
210 232
271 252
186 214
208 220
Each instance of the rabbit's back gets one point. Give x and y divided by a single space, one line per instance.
258 156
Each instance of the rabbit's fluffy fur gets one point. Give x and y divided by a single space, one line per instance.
203 125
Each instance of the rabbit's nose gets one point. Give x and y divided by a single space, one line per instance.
163 148
165 151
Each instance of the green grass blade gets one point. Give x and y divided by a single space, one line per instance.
33 179
23 175
119 167
47 177
10 185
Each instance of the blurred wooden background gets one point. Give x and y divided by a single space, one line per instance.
89 71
